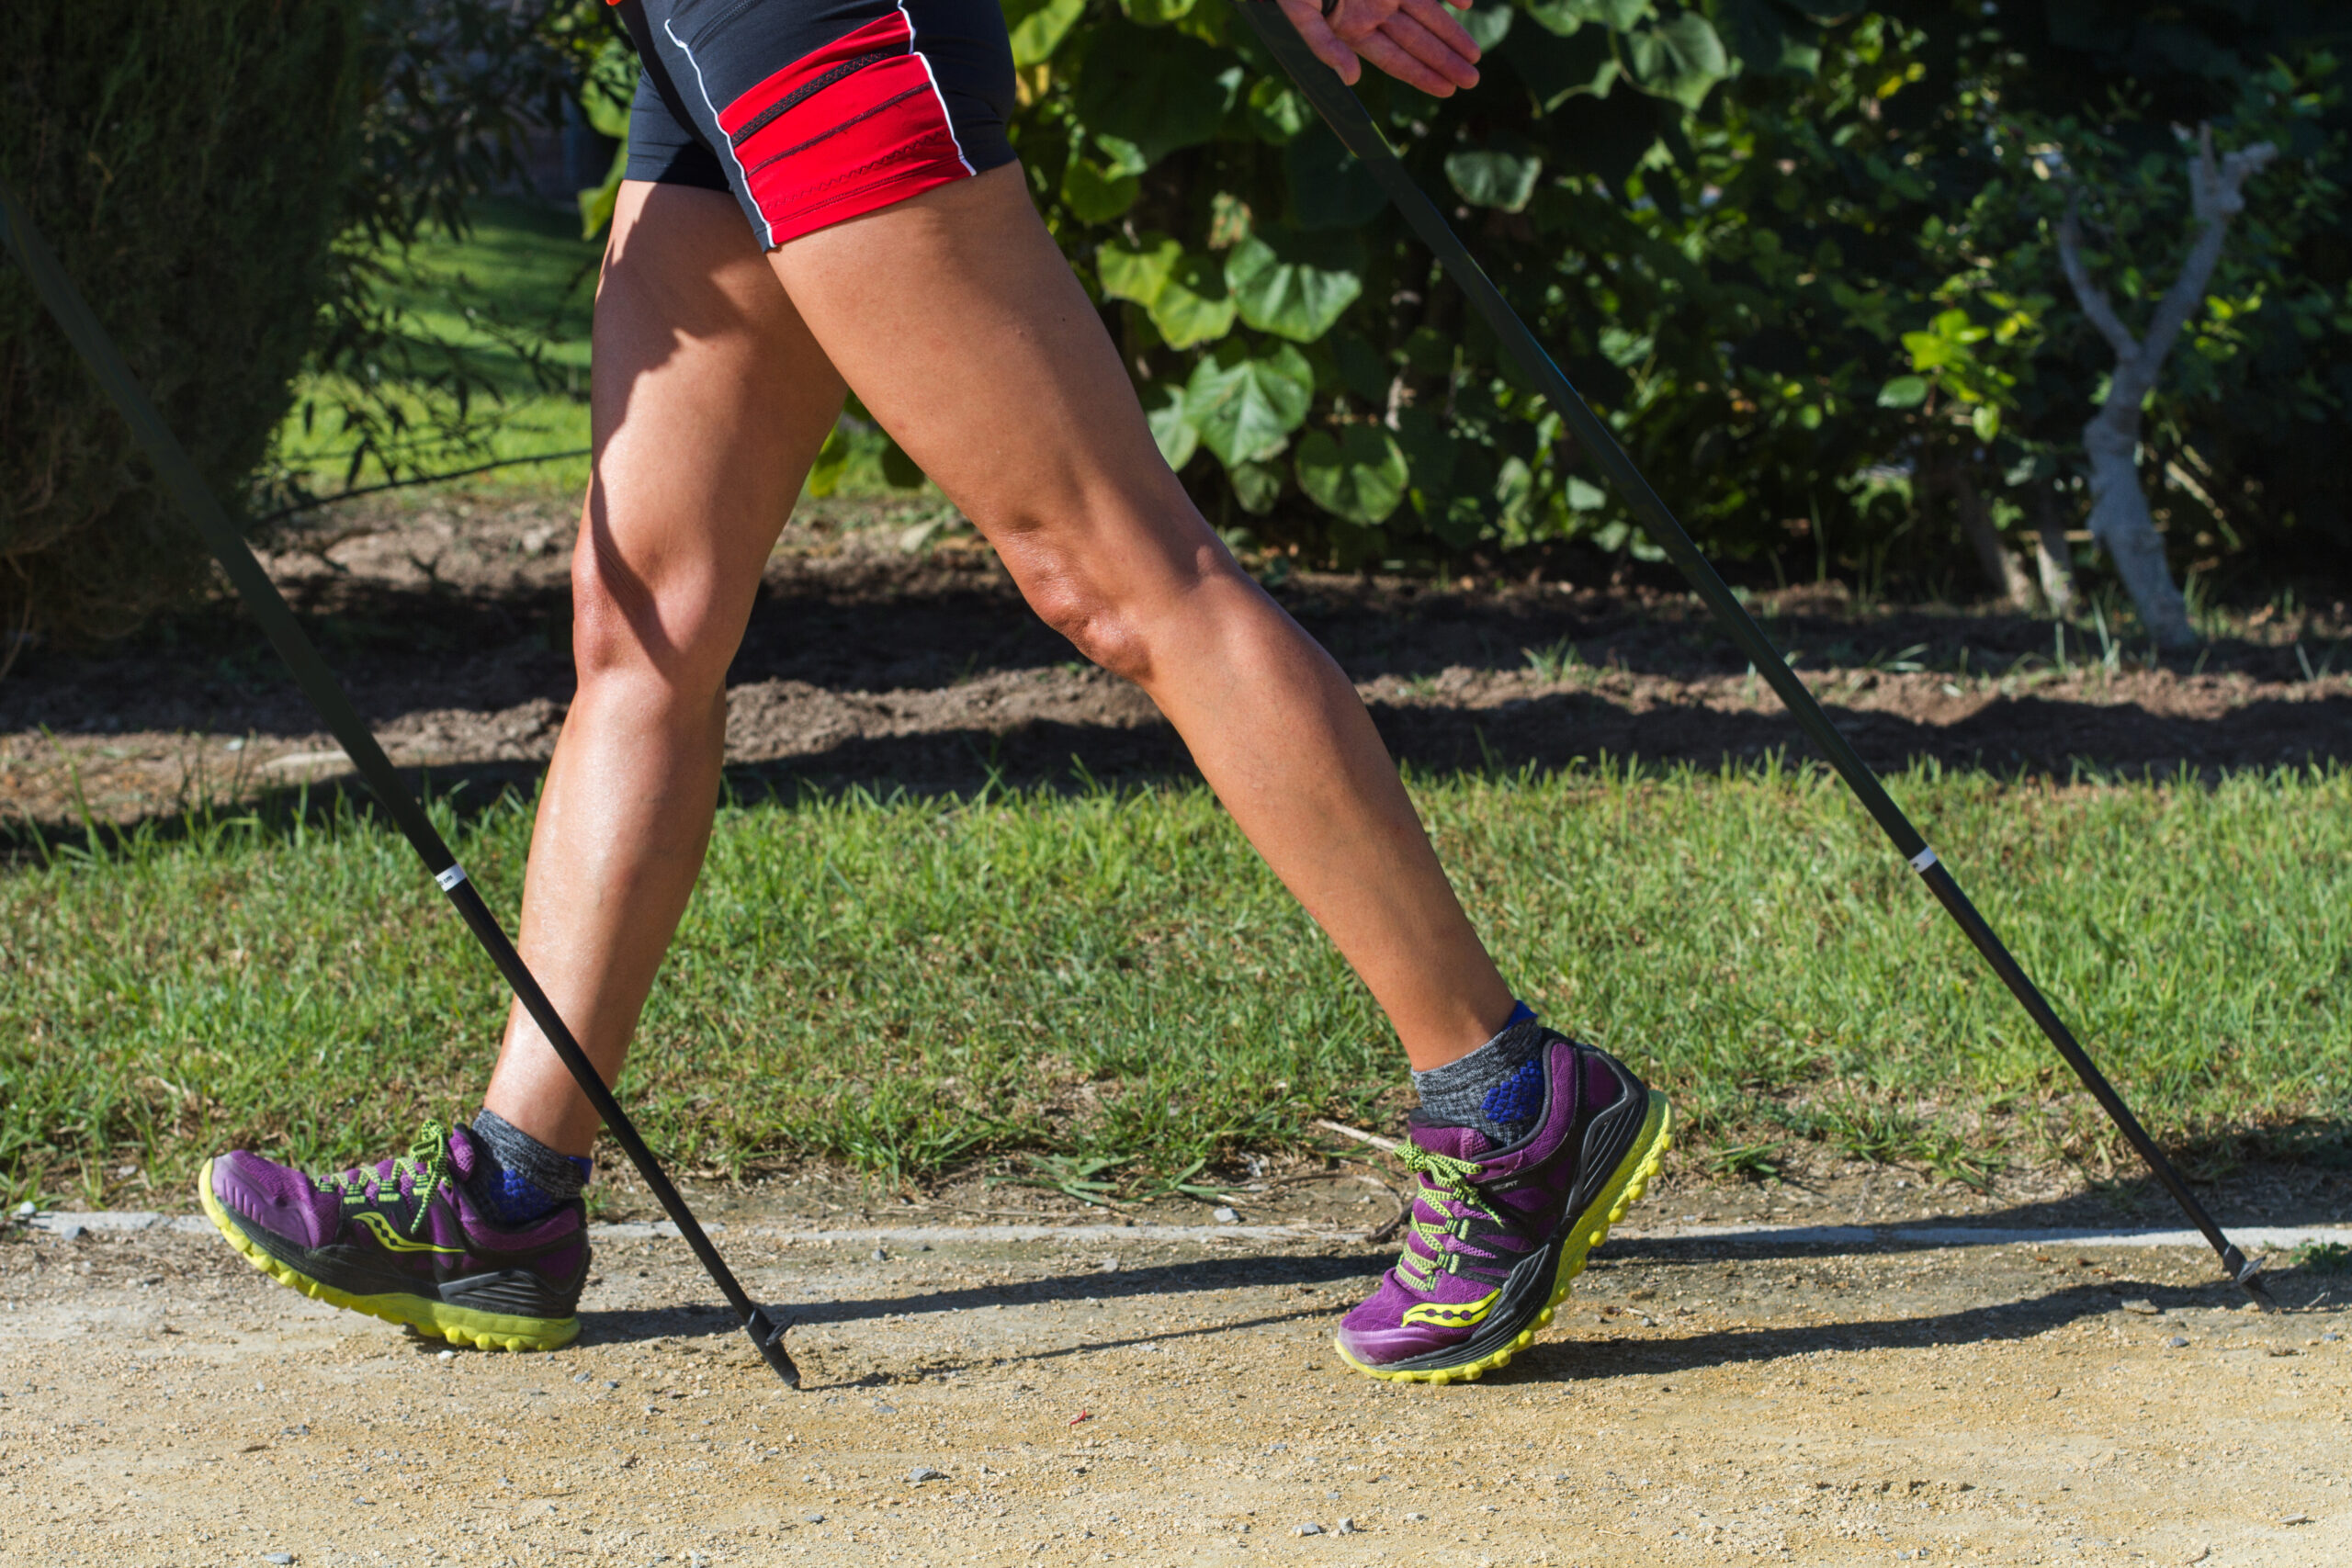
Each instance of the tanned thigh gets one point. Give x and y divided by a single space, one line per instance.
710 399
959 323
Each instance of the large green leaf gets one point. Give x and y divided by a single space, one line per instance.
1257 486
1329 189
1096 195
1136 271
1276 111
1196 307
1163 409
1156 89
1038 27
1245 405
1682 60
1293 284
1486 24
1494 177
1360 477
1183 293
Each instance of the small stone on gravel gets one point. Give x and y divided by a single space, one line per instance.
2177 1341
1308 1530
1347 1527
1226 1217
880 1256
278 1557
2145 1307
814 1518
923 1472
446 1356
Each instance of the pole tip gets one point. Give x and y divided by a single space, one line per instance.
768 1335
2247 1272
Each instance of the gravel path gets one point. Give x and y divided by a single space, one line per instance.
1829 1397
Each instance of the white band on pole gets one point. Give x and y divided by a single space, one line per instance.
451 878
1923 860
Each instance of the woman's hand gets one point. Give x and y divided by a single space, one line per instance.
1416 41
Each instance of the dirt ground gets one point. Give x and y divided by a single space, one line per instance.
895 653
1155 1394
1822 1388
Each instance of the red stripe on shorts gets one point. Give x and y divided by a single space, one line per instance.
873 134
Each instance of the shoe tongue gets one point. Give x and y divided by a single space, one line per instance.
464 1155
1439 1138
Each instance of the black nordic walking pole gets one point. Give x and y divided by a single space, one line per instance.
1347 119
269 607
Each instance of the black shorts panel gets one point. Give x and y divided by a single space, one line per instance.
812 111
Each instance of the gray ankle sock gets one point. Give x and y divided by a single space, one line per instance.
525 1178
1498 1088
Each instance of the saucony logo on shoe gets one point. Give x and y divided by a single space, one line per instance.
391 1240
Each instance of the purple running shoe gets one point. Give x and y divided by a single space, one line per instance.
403 1241
1497 1235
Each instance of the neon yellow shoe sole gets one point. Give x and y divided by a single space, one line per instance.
1626 1184
458 1326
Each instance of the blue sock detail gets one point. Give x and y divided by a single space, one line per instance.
514 1199
1519 1098
516 1178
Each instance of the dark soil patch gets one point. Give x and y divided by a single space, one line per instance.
890 652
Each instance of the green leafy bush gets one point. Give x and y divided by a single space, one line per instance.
187 160
1777 242
1301 359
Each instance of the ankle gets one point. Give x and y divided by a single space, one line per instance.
516 1178
1497 1088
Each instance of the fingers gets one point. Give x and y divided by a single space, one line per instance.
1416 41
1441 24
1419 58
1307 16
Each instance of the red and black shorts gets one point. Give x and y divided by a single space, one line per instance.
811 111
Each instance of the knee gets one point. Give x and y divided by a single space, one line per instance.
625 628
1134 617
1105 626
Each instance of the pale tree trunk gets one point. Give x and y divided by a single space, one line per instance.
2120 519
2054 560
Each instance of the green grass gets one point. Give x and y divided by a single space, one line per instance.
519 286
521 282
911 985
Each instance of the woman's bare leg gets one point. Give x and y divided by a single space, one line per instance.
959 325
710 402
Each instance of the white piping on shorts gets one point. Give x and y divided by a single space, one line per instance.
944 117
741 173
